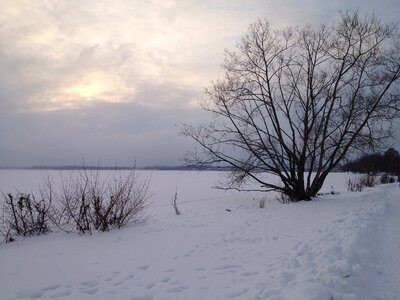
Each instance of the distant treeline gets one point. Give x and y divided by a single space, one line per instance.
388 162
156 168
79 168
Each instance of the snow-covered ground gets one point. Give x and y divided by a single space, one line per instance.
342 246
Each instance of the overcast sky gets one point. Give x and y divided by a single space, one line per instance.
112 80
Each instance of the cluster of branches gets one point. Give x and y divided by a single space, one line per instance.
83 203
294 102
389 162
25 216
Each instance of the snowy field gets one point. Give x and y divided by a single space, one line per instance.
335 247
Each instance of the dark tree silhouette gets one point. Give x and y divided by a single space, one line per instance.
392 161
389 162
294 102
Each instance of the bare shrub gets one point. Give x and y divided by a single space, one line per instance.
175 203
368 180
358 184
84 202
354 185
127 200
87 202
284 198
23 215
386 178
261 202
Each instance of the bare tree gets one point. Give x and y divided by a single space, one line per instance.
294 102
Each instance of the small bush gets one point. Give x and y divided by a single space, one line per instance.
83 203
386 178
368 180
283 198
358 184
354 185
23 215
90 203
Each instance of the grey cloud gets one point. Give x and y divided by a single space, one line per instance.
106 131
115 133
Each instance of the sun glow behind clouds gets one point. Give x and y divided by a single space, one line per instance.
87 90
83 91
75 52
98 86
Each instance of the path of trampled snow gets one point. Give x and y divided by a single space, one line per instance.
335 247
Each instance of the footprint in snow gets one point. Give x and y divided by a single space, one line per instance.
297 246
36 294
177 289
226 267
237 294
169 270
248 274
293 263
118 283
51 288
130 276
150 286
63 294
90 283
90 291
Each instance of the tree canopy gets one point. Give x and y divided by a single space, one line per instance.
294 102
